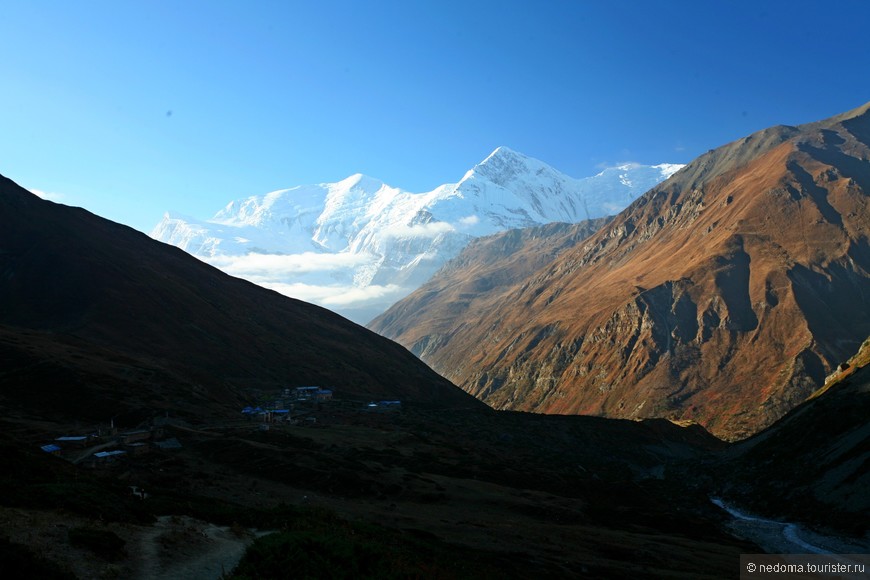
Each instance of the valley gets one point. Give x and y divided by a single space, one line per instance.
512 493
619 375
518 493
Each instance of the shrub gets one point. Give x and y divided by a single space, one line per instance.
104 543
17 561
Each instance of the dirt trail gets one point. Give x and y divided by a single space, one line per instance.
175 547
184 548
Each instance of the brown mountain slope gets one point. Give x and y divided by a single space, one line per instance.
97 319
477 281
723 295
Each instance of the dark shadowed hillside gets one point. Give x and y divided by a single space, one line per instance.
814 463
97 320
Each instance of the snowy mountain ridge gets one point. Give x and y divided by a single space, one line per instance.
358 245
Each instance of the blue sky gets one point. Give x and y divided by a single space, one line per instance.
130 108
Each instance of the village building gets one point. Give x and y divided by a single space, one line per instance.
51 449
382 406
280 415
129 437
167 444
139 448
103 457
306 393
73 441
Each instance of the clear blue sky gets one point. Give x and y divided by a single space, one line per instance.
133 108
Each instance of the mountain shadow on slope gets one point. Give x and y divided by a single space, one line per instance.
813 465
95 316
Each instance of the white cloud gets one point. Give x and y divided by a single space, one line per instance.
430 230
271 266
50 196
604 165
323 279
469 220
339 296
354 296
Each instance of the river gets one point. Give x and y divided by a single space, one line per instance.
777 537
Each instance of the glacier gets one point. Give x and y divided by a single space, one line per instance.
358 245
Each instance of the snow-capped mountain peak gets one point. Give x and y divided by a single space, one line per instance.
358 180
358 245
505 165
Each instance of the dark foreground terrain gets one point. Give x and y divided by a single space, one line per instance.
410 493
438 493
419 493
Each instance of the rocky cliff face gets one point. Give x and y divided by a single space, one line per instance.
723 295
476 282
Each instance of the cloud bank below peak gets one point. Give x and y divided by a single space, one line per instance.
358 245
